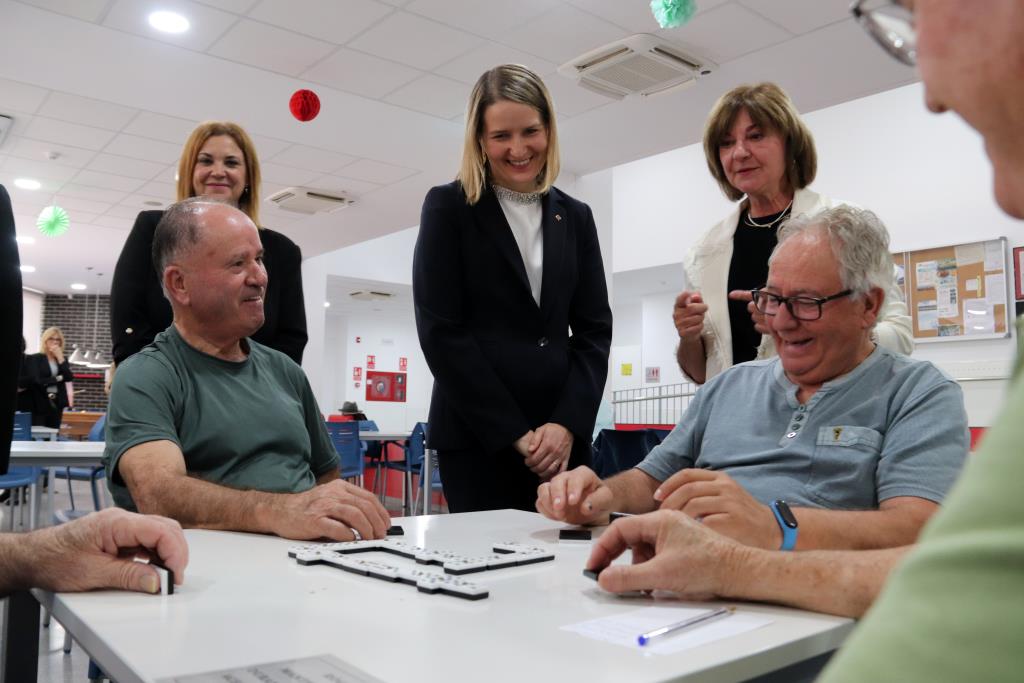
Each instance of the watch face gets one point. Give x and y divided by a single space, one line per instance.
787 515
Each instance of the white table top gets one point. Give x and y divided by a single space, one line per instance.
56 453
244 602
384 436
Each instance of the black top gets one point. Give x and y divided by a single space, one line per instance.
10 325
44 394
751 247
503 364
139 311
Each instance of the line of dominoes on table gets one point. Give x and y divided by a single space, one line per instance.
340 555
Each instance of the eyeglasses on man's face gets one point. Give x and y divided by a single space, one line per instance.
800 307
891 24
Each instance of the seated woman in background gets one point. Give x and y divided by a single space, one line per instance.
762 153
43 381
219 161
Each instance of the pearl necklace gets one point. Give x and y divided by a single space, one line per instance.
516 197
771 224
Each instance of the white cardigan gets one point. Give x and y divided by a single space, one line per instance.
706 269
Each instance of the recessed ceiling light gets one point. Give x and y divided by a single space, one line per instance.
27 184
28 269
24 239
77 286
327 304
168 22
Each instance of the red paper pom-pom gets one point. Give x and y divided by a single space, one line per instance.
305 105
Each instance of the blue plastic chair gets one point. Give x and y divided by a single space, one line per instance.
89 474
412 463
22 427
17 478
345 437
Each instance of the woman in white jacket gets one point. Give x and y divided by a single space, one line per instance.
758 150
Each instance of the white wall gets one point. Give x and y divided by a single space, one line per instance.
926 176
385 259
32 319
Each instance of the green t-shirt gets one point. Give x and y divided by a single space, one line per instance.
252 424
954 609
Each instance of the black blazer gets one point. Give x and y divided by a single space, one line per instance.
502 365
139 311
34 377
10 325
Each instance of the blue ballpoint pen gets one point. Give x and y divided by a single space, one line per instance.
645 638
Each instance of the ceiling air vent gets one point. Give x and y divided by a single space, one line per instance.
370 295
309 201
640 65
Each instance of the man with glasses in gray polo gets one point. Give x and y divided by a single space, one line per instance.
836 443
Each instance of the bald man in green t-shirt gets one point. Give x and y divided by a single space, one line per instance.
210 428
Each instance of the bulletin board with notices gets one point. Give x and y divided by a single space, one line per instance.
957 292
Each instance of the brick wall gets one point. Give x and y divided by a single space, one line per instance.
77 316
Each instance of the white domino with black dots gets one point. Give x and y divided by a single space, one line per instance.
340 555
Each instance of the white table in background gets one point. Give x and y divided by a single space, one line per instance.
45 433
51 454
245 602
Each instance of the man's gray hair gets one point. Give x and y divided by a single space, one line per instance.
177 232
859 242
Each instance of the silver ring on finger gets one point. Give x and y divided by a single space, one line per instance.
356 536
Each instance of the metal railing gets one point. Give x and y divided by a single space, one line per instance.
662 404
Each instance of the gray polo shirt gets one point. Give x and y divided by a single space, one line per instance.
893 426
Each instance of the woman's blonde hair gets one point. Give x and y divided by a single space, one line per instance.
51 332
249 202
770 109
513 83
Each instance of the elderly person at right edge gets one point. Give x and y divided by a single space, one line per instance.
758 150
953 609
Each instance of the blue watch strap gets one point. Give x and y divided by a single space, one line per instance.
789 528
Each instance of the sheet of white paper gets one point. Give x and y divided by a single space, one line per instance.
969 253
995 258
949 307
927 274
972 284
322 669
927 315
995 289
978 317
623 629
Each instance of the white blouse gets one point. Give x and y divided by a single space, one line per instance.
524 214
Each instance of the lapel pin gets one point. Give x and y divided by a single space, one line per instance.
558 217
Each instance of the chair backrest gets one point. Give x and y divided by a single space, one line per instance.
345 437
367 426
415 445
98 431
22 427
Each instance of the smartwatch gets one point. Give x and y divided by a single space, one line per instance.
787 523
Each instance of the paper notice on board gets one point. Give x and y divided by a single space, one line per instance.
969 253
949 306
994 256
927 274
972 284
978 317
927 316
995 289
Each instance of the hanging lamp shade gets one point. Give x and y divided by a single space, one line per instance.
53 221
77 357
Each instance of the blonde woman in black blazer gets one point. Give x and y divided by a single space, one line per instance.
511 305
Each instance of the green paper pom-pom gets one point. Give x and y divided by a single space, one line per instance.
53 221
673 13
